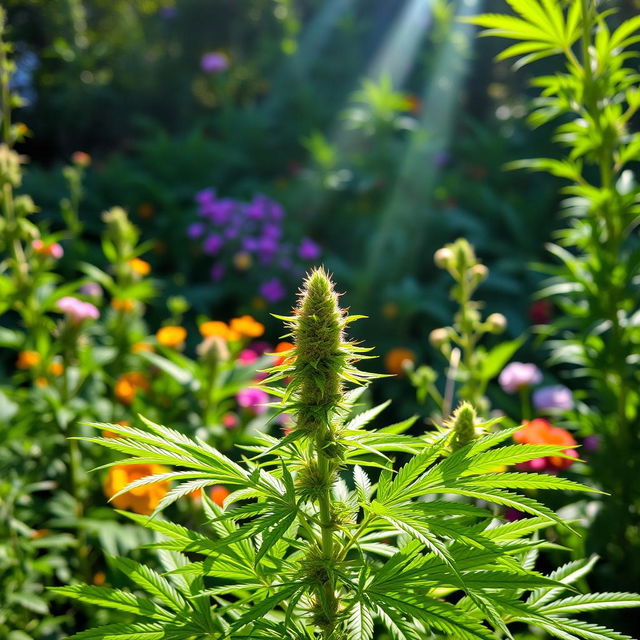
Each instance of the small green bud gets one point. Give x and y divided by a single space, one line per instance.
10 161
119 228
439 337
462 425
312 481
496 323
443 258
479 273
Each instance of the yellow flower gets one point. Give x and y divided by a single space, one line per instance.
123 304
28 359
128 385
56 368
143 499
141 346
395 359
242 260
218 328
171 336
247 326
140 267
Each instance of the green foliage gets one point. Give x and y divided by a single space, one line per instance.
592 101
375 543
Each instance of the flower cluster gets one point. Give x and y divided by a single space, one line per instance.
541 431
76 310
242 235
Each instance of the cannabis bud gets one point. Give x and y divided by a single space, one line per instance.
462 425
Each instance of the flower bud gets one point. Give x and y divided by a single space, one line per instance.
443 258
496 323
439 337
479 272
463 425
10 163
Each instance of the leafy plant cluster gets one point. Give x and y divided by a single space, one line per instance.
592 102
328 533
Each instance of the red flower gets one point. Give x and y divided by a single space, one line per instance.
541 431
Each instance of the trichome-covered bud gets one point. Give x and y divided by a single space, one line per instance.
313 481
462 425
318 337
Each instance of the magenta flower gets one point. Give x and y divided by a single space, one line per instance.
519 375
214 62
77 310
272 290
212 244
308 249
253 399
554 397
247 356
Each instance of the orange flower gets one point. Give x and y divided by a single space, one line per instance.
141 267
42 382
395 359
81 158
113 434
284 346
541 431
28 359
36 534
247 326
143 499
171 336
217 328
123 304
141 346
218 494
56 368
128 385
99 578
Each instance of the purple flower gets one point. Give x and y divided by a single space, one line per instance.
272 231
308 249
254 399
77 310
276 212
168 12
251 244
441 159
591 443
195 230
519 375
217 272
554 397
214 62
206 196
91 290
256 209
212 244
272 290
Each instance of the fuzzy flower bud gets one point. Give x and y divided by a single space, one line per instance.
479 273
463 426
10 163
496 323
318 335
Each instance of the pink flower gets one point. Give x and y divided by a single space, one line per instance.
519 375
230 420
50 249
247 356
77 310
253 399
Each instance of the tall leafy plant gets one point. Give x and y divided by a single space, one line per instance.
593 101
325 535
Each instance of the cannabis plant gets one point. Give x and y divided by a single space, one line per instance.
594 281
338 527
